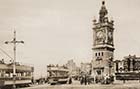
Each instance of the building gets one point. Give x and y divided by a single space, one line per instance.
118 66
103 44
73 69
86 68
128 64
128 68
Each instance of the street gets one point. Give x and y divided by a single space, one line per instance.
76 85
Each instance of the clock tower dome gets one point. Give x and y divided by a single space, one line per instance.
103 44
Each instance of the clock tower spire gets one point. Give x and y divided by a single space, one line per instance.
103 44
103 12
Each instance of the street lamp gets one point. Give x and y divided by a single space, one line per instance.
14 42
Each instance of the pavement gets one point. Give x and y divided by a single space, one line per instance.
76 85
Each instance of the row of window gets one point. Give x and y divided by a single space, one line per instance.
99 54
24 74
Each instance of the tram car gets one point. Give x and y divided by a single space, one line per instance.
24 75
57 74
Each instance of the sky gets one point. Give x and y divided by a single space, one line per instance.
55 31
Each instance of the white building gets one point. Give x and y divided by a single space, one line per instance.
73 69
86 68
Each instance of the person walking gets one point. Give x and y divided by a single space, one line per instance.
70 80
85 80
81 80
88 80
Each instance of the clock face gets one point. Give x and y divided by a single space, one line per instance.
100 36
110 37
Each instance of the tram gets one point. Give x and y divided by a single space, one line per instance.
57 74
24 74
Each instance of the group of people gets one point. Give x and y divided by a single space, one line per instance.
84 80
104 79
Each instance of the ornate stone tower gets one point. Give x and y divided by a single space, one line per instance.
103 45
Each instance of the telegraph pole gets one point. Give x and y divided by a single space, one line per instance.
14 42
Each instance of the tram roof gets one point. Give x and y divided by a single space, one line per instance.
57 69
8 67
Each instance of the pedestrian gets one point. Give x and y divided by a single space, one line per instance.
81 80
88 80
70 80
85 80
96 79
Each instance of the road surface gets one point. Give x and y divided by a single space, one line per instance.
76 85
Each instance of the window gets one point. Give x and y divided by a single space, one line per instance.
99 54
98 72
95 54
102 53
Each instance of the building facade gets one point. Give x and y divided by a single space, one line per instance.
128 64
86 68
118 66
73 69
128 68
103 44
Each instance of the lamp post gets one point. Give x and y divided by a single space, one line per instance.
14 42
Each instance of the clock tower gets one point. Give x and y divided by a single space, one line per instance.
103 45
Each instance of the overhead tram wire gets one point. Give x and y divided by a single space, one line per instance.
6 53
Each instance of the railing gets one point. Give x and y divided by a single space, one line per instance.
127 76
17 78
